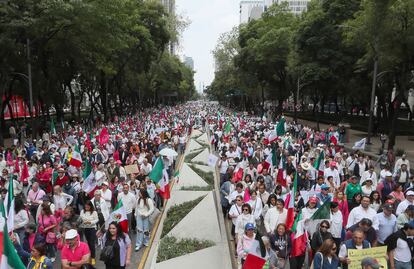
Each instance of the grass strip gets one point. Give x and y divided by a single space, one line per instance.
192 155
197 188
207 176
171 247
176 213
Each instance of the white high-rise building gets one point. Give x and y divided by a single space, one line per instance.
250 10
189 62
296 6
169 6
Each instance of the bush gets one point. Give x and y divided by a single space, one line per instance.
207 176
197 188
171 248
176 213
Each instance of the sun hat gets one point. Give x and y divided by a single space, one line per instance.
70 234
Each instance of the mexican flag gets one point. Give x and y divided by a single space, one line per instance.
281 173
9 205
323 213
291 205
238 172
272 136
9 257
157 173
280 128
119 215
89 182
52 127
319 163
254 259
164 185
76 159
300 237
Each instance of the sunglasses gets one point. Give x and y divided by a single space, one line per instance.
245 209
238 200
326 227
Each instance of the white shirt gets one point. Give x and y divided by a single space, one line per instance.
402 252
62 200
235 210
403 206
367 174
128 200
400 162
336 224
107 196
334 173
385 226
273 218
146 168
257 207
223 166
21 219
358 213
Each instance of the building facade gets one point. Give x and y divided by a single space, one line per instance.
295 6
250 10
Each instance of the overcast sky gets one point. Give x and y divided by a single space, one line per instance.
209 18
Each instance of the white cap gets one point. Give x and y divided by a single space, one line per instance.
409 193
388 174
70 234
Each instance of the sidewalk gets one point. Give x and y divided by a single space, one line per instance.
402 142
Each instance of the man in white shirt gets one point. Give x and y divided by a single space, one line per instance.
369 174
146 167
401 161
332 171
336 221
398 247
128 200
3 163
409 200
360 212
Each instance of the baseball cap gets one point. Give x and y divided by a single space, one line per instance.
409 193
388 174
324 187
388 207
70 234
313 200
368 261
249 226
411 224
410 207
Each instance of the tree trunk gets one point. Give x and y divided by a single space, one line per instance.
72 101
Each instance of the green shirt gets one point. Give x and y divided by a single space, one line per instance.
351 190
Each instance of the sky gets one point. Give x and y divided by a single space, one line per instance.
208 19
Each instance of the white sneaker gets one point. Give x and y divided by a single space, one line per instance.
53 259
137 248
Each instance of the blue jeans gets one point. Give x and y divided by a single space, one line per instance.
143 233
402 265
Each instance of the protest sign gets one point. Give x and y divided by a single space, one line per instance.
356 256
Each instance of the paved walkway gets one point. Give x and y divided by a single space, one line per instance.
405 143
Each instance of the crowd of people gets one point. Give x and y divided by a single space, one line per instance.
264 164
68 186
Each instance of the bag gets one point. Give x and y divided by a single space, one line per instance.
312 265
50 238
101 219
107 253
153 217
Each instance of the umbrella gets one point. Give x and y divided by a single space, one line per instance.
168 152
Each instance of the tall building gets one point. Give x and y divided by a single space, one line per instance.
250 10
189 62
296 6
169 6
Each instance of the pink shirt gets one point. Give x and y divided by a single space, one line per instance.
36 196
76 255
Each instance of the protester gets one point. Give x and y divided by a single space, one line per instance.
75 253
400 247
120 244
143 209
325 257
90 219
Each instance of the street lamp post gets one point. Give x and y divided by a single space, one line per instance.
371 108
29 78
